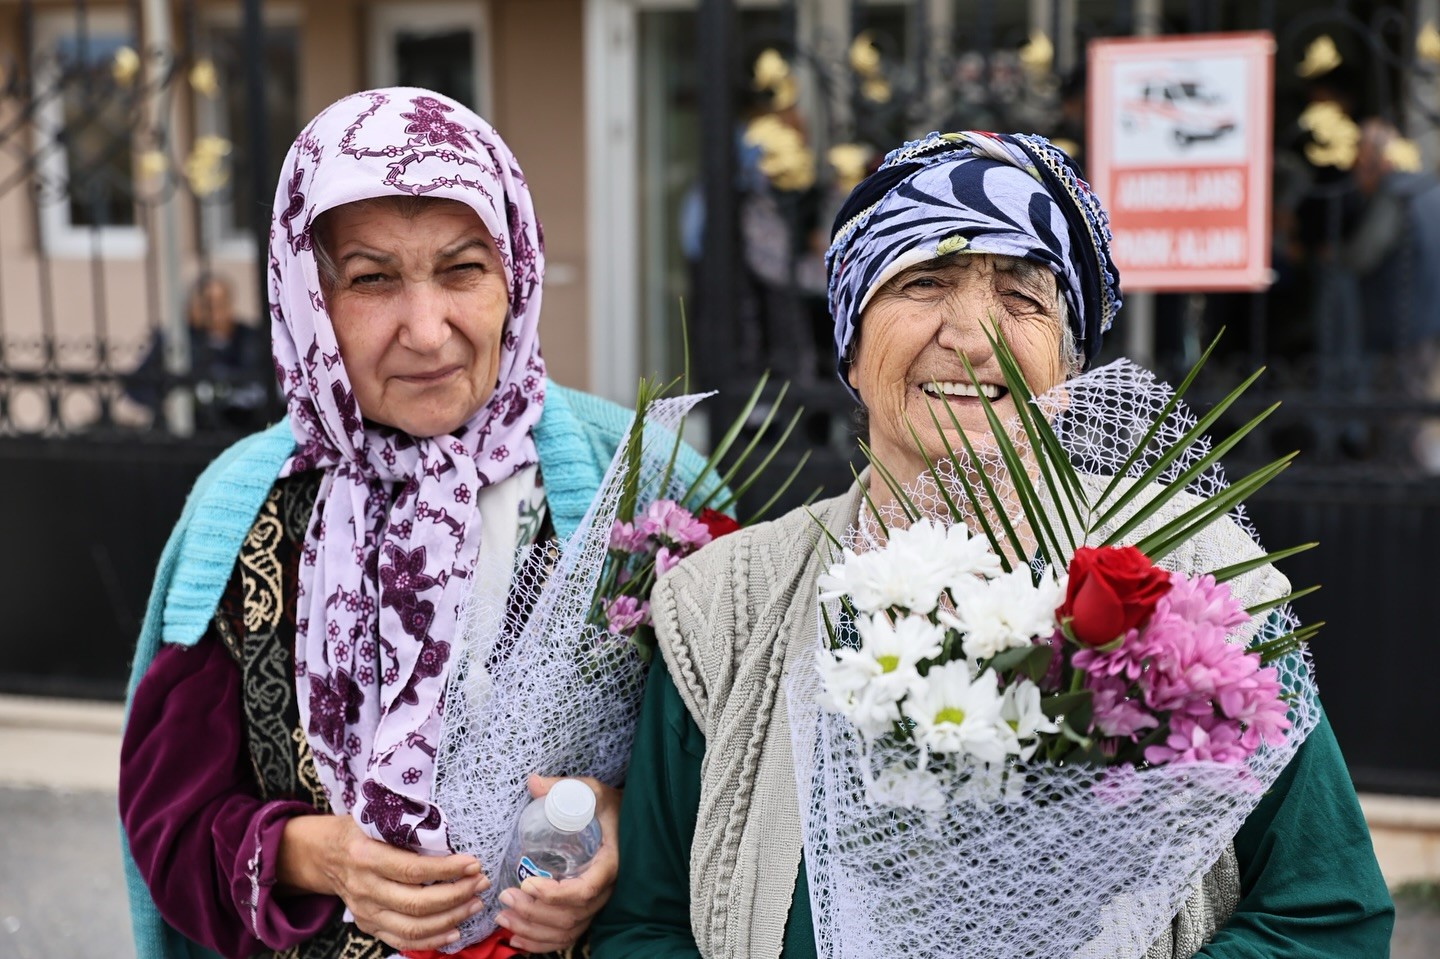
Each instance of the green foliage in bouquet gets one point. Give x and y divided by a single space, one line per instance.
1005 505
653 532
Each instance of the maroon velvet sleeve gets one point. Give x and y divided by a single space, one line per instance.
204 841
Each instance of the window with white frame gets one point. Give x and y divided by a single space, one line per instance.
86 79
443 47
229 214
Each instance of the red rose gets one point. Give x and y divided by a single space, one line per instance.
717 522
1113 589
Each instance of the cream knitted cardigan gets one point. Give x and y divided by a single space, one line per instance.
731 621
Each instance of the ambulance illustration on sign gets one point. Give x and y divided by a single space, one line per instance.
1180 105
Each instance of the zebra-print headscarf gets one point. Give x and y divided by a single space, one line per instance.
1003 194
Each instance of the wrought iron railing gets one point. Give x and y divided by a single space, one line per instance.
113 153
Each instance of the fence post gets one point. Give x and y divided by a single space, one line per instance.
261 178
718 38
179 405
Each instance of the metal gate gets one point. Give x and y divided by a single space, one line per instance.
134 158
1348 343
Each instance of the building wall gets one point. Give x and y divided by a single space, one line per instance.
538 102
538 51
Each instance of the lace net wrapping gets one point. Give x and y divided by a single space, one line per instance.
1034 860
551 694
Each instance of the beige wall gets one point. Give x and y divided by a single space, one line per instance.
538 100
538 105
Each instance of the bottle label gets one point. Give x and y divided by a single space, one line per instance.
526 869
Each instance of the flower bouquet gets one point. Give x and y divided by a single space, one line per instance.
1054 676
555 665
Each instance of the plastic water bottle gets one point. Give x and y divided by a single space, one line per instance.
557 835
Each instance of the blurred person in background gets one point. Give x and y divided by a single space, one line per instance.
1393 254
286 697
229 363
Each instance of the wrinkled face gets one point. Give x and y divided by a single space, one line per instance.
911 335
419 310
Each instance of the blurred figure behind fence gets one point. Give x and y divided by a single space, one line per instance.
229 363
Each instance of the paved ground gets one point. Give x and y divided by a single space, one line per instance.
62 893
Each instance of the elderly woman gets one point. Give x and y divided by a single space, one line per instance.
950 232
286 701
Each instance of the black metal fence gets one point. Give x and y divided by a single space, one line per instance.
132 148
1347 330
135 157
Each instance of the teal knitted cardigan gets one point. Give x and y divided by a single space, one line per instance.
576 438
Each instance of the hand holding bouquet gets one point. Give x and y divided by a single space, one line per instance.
1055 675
555 666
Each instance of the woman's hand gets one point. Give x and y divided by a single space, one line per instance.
544 915
407 900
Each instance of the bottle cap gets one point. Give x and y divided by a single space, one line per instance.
570 805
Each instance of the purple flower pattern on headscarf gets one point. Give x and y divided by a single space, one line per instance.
429 121
389 552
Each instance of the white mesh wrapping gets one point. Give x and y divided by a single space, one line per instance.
1035 860
555 696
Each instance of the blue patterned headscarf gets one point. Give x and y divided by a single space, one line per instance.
1003 194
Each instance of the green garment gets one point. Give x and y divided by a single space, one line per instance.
1310 886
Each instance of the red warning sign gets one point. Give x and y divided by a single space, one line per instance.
1179 153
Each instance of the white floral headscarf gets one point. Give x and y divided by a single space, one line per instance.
395 534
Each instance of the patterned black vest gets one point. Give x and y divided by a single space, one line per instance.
256 622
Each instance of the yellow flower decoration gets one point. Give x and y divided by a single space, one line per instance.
1403 155
1037 55
951 244
864 55
1320 58
205 166
1336 136
203 79
784 158
849 161
152 163
1427 43
125 65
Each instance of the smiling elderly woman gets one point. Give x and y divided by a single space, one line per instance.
278 757
952 231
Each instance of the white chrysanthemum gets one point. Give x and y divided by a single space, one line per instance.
876 580
1004 612
899 785
954 713
911 569
946 554
898 647
1023 718
865 684
848 687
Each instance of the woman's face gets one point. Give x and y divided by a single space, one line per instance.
913 332
419 310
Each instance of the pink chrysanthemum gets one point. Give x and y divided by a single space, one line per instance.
1221 704
667 559
670 522
1202 601
1116 715
625 614
1197 740
628 538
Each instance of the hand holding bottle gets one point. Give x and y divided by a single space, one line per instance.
549 914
